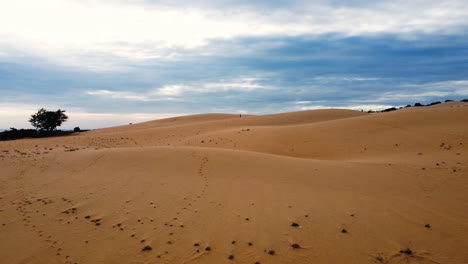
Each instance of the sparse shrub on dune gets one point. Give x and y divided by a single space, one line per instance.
14 133
147 248
415 105
434 103
389 109
407 251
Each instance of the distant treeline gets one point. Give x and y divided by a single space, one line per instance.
415 105
14 133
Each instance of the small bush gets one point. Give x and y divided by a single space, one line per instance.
14 133
434 103
147 248
389 109
407 251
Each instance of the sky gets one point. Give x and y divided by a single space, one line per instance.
114 62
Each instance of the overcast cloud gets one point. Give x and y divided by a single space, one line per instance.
115 62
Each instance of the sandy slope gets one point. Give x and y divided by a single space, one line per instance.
199 189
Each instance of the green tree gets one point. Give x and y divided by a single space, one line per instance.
48 120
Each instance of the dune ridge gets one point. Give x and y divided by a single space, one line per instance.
320 186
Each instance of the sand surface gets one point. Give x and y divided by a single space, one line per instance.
322 186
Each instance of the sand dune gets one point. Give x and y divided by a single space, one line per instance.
322 186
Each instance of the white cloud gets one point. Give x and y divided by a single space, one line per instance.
416 92
153 95
367 107
346 79
242 84
82 33
222 86
307 102
458 87
175 91
172 90
118 95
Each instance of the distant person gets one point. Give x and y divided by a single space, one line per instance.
240 115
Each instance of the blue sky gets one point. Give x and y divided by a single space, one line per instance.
115 62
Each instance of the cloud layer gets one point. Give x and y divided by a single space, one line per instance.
79 33
159 57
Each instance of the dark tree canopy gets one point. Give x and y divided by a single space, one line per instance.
48 120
